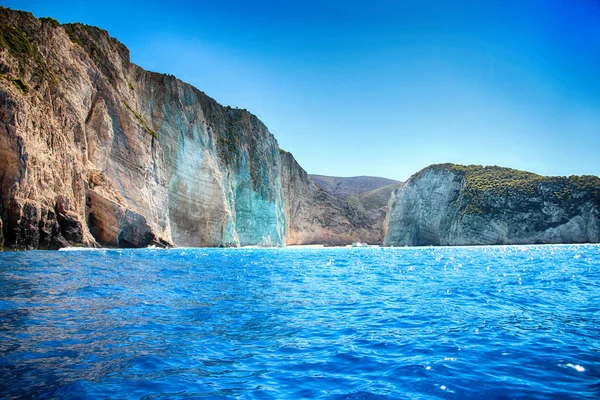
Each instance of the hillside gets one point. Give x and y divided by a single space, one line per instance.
365 193
449 204
343 187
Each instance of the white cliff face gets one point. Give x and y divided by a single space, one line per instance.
221 167
423 211
98 151
457 205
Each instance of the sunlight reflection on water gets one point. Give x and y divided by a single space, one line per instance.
480 322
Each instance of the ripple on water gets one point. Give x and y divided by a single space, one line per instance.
475 322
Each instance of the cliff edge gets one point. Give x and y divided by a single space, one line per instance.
450 204
96 151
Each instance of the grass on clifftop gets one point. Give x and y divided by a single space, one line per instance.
498 180
23 50
481 183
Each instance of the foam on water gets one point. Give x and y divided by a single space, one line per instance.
463 322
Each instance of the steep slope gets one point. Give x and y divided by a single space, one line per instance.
366 195
316 216
126 156
374 199
344 187
451 204
94 150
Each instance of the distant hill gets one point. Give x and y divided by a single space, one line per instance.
362 192
343 187
378 197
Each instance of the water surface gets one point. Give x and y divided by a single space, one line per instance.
471 322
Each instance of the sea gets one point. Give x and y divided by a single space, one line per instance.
502 322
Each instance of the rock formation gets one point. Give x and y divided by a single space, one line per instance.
316 216
451 204
368 196
94 150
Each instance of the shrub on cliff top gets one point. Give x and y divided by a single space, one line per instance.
481 183
50 21
15 41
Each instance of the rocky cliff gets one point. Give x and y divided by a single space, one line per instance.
94 150
367 196
451 204
317 216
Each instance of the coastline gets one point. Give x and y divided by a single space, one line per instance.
319 246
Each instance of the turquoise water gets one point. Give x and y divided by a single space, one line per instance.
472 322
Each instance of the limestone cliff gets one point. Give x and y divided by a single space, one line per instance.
317 216
94 150
451 204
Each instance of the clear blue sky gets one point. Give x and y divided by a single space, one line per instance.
383 88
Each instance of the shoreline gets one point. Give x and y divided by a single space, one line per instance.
313 247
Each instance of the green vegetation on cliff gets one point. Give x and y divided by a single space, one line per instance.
51 21
227 149
481 184
23 49
16 42
22 86
98 44
142 121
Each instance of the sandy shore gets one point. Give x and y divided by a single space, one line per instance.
305 246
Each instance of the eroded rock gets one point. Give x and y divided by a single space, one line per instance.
451 204
317 217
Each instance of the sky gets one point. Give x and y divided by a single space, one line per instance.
382 88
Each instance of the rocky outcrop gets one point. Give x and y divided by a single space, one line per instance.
315 216
94 151
451 204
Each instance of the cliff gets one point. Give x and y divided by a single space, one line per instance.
96 151
317 216
367 196
451 204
